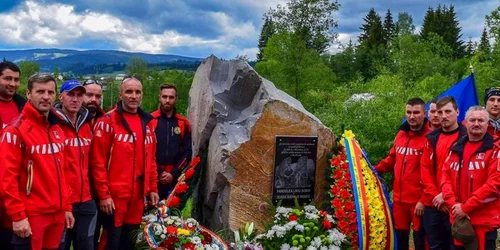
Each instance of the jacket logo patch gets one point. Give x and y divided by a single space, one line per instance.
98 133
56 135
480 156
177 130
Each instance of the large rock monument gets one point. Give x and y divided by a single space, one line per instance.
235 115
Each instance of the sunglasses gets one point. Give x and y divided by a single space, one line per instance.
90 81
128 77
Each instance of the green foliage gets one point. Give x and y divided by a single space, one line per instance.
28 69
404 25
493 23
267 32
137 66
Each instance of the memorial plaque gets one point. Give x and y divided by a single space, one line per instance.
294 169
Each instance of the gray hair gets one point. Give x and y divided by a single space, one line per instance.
40 78
477 108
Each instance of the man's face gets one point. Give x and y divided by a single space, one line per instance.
168 98
433 115
477 123
9 83
92 97
131 94
72 100
493 106
448 115
415 116
42 96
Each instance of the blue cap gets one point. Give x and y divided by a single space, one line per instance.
70 85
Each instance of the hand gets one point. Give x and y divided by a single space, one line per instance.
154 198
166 178
70 220
444 208
107 205
22 228
456 210
438 200
419 209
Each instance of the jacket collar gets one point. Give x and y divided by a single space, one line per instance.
32 113
20 101
406 127
145 117
82 117
487 143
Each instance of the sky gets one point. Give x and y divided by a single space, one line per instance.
196 28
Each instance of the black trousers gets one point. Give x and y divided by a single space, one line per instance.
490 244
119 238
82 234
6 238
438 229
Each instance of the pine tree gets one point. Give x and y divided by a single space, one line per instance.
389 27
372 30
404 25
266 33
484 45
428 24
469 48
371 52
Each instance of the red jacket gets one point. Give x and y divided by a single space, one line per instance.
404 160
77 148
430 171
493 131
112 156
482 204
31 151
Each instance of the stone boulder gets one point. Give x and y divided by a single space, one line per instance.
235 115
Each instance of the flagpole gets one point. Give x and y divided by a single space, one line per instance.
471 69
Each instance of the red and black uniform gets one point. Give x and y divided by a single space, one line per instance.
124 168
8 111
471 177
173 149
77 148
493 128
404 161
33 181
436 222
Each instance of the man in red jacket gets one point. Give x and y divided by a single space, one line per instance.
439 143
75 123
404 161
492 102
471 178
433 116
123 166
33 181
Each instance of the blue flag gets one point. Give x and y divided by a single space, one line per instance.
465 93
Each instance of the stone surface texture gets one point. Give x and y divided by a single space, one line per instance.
235 115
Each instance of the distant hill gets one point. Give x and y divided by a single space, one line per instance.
82 62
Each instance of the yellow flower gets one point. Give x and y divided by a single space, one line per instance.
181 231
348 134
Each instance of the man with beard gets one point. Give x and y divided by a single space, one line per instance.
471 177
492 102
74 121
404 160
439 142
173 132
33 182
433 116
92 99
11 105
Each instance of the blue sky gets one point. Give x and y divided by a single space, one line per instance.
197 28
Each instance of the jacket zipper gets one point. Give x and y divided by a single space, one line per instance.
80 164
471 188
57 165
134 177
168 137
403 170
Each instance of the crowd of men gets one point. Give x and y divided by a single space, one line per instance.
74 175
447 175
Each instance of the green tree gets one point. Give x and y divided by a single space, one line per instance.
469 48
493 23
404 25
311 20
343 64
28 68
137 66
484 45
371 53
389 27
56 73
293 67
267 32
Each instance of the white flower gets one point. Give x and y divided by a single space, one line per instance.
330 218
283 210
310 209
285 247
311 248
294 248
280 231
299 227
323 248
270 234
149 218
288 226
196 240
162 236
316 242
311 216
215 247
335 236
333 247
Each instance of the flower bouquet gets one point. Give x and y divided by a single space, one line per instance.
296 229
358 199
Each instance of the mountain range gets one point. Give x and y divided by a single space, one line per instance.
81 62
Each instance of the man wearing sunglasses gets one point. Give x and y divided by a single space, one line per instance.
92 99
123 166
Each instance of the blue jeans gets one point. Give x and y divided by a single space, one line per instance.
438 229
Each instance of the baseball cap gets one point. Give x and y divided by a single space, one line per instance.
489 92
463 231
70 85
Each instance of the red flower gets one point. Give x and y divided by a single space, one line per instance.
207 238
352 217
344 166
189 173
336 203
341 183
174 202
292 217
338 174
181 188
344 194
344 226
335 190
327 224
171 230
342 156
340 214
336 162
169 242
189 246
354 227
349 206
